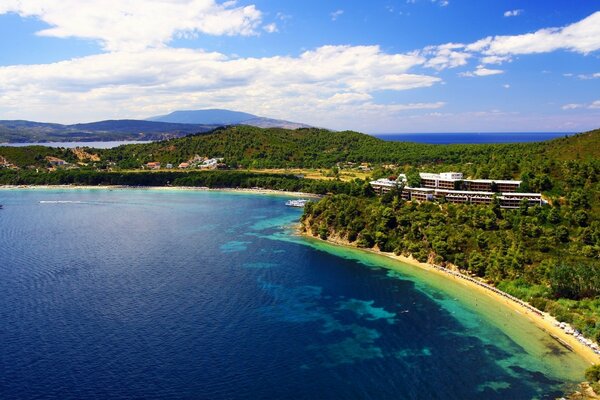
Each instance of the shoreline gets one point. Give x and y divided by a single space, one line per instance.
165 188
542 320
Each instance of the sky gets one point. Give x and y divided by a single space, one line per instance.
378 66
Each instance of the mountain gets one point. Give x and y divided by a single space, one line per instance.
126 129
225 117
209 117
173 125
260 122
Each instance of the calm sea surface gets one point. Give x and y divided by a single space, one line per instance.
158 294
472 138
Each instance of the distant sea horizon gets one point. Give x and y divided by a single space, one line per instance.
471 137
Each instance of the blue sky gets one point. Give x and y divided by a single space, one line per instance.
377 66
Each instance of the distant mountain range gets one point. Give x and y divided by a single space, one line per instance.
225 117
176 124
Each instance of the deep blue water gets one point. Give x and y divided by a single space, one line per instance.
472 138
198 295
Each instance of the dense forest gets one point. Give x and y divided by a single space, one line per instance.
548 255
210 179
247 146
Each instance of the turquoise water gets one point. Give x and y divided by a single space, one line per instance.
176 294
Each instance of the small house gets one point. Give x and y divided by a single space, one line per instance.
153 165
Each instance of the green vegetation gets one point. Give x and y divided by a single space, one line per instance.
211 179
545 255
248 146
592 374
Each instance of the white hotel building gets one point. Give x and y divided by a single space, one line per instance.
451 187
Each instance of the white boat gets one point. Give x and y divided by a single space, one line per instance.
300 203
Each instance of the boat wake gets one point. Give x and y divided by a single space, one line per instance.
62 202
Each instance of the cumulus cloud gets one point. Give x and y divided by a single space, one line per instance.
481 71
448 55
137 24
155 81
581 37
513 13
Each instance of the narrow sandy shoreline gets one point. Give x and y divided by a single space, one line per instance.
543 320
165 188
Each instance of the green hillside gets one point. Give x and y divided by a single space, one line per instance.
274 148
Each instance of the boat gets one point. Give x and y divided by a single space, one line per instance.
299 203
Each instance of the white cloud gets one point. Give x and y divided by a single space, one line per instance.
589 76
590 106
271 28
448 55
441 3
513 13
581 37
137 24
481 71
506 86
572 106
594 105
336 14
495 59
155 81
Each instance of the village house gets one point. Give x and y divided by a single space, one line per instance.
56 161
153 165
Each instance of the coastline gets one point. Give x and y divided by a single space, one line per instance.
165 188
542 320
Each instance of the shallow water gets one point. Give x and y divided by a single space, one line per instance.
160 294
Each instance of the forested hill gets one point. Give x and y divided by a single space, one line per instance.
246 146
268 148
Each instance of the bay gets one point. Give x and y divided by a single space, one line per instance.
210 295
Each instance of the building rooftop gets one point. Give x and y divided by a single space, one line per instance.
493 180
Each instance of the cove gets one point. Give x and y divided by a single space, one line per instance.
181 294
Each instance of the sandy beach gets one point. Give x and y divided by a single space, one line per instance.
541 319
165 188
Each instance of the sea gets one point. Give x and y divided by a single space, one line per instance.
167 294
473 138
